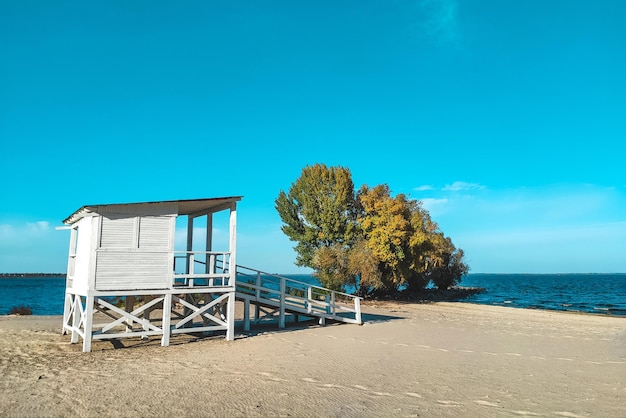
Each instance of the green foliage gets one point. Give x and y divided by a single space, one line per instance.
369 240
449 268
331 265
318 211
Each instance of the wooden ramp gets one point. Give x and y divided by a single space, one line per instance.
273 295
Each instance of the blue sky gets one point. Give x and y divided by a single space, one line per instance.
507 119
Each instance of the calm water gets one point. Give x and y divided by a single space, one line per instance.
43 295
593 293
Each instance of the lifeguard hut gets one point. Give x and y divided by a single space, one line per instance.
123 268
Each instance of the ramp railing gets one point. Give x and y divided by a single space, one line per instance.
297 297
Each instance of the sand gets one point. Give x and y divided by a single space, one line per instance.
433 360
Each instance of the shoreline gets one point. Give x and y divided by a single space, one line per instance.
378 302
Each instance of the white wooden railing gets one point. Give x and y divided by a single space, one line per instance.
201 268
288 295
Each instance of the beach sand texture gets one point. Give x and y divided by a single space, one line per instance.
433 360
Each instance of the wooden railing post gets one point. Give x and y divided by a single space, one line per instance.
257 308
281 317
357 309
309 304
192 261
211 267
246 315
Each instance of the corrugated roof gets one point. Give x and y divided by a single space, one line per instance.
184 207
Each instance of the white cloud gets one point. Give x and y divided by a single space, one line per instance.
39 226
566 228
462 185
434 206
425 187
32 246
24 232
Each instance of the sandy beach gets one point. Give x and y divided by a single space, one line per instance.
433 360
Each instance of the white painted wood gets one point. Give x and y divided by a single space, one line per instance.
197 311
281 318
77 317
232 268
87 323
154 233
118 231
128 317
85 235
230 316
94 226
127 270
272 290
127 250
167 315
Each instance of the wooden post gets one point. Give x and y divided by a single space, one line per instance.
189 240
167 314
88 324
309 302
67 308
257 311
357 308
192 261
76 317
71 262
230 332
146 315
246 315
281 314
209 267
232 272
129 303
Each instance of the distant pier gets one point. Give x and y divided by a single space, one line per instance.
29 275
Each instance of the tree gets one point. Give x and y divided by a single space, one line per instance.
446 264
369 240
386 227
319 211
410 247
339 266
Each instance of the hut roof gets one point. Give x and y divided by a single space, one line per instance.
184 207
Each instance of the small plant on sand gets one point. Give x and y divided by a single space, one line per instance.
21 310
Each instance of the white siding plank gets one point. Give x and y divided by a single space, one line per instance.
118 231
154 232
123 270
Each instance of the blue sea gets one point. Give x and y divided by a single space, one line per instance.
591 293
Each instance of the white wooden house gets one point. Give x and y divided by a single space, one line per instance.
123 268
